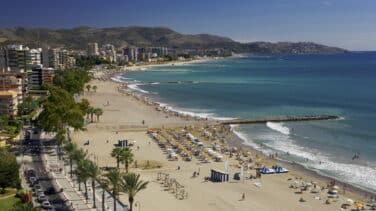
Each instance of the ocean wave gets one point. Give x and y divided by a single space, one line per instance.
195 113
278 127
136 87
247 140
360 175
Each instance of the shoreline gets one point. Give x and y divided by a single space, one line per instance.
300 169
98 74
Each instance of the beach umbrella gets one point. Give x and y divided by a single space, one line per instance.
335 187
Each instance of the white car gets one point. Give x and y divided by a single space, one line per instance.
33 180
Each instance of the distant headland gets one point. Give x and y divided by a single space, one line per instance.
77 38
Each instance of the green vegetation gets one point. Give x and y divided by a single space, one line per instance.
11 127
113 181
126 157
60 110
9 203
73 81
116 153
131 185
9 170
28 106
87 62
113 178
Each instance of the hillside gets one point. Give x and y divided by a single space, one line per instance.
77 38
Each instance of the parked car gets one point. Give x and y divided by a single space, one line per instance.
50 190
46 205
42 197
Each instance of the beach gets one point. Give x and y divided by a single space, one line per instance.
129 117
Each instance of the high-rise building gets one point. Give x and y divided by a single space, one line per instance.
18 58
36 56
92 49
11 81
132 53
39 76
3 66
109 52
8 103
57 58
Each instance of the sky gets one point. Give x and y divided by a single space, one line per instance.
350 24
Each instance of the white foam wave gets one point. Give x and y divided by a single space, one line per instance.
155 83
195 113
117 79
278 127
360 175
136 88
247 140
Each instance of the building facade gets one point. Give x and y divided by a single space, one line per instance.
8 103
131 53
18 58
92 49
39 76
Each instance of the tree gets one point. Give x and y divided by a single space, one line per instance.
131 184
60 111
82 172
95 88
27 106
116 153
103 183
70 148
94 173
84 105
9 170
88 87
73 81
90 111
98 112
114 180
126 157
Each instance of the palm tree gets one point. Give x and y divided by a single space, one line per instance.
70 148
90 111
126 157
98 112
95 88
116 153
131 184
103 183
88 87
77 156
94 173
82 172
114 180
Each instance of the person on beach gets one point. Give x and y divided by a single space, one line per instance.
243 197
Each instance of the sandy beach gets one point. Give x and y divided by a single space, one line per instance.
129 117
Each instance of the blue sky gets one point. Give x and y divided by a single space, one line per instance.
345 23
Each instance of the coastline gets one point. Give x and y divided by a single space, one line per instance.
123 117
352 190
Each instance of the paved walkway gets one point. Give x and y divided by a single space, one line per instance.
77 201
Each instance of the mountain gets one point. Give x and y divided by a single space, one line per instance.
77 38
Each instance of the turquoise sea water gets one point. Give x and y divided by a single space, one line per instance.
266 86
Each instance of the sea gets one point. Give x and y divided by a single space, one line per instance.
250 86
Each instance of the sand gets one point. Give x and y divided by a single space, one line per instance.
122 119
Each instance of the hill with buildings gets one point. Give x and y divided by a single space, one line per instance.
77 38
